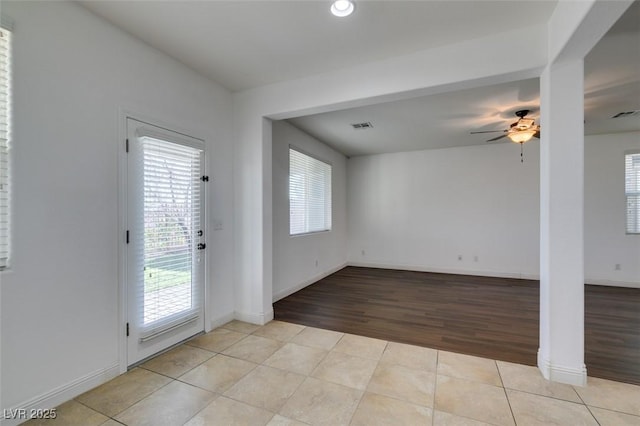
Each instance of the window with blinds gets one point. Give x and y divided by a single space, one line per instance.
5 92
632 191
172 205
309 194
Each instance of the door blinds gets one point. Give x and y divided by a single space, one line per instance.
171 205
5 75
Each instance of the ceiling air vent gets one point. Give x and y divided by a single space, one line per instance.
366 125
627 114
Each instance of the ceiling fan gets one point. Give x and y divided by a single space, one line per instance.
520 131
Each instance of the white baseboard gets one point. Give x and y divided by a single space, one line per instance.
289 291
422 268
612 283
62 394
576 376
258 319
221 320
484 273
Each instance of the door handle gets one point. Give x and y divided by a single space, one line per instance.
202 246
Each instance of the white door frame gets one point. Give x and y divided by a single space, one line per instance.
169 124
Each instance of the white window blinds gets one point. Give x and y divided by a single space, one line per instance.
172 204
632 192
309 194
5 78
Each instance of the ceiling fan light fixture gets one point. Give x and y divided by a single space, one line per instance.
342 8
521 136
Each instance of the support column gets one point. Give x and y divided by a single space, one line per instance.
561 352
253 216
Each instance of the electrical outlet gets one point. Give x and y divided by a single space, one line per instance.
618 267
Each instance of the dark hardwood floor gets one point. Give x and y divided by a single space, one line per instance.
489 317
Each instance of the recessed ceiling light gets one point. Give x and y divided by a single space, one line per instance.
342 8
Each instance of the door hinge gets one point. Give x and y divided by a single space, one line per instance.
127 236
127 329
127 145
202 246
205 178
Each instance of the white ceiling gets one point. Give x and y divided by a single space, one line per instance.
612 77
437 121
612 85
244 44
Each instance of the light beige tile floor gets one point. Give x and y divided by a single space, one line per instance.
286 374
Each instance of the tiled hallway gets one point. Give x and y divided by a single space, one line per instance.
288 374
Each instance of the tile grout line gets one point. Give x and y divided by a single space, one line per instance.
216 396
506 395
546 396
178 379
306 376
435 388
261 364
292 393
585 404
386 345
195 366
142 399
92 409
357 406
592 415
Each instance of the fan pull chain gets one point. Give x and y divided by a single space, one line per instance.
521 152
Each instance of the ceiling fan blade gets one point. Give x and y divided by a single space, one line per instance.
537 134
489 131
495 139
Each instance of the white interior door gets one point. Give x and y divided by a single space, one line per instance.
166 241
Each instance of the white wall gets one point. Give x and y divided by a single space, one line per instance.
606 243
294 258
72 72
421 210
472 63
